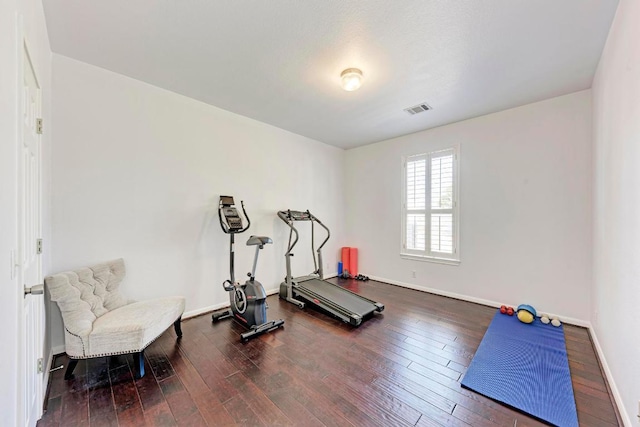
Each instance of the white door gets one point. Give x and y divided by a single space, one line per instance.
29 232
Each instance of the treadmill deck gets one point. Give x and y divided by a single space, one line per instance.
341 302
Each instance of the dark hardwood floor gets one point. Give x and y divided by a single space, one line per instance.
401 368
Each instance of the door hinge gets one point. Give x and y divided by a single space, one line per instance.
40 365
39 126
39 246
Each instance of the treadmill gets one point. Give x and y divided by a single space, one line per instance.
313 289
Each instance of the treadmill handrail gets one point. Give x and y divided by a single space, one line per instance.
289 219
314 218
285 217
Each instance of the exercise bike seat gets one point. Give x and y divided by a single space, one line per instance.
258 240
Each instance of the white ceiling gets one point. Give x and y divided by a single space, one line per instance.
279 61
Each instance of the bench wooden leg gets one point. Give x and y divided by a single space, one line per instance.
68 374
177 326
138 364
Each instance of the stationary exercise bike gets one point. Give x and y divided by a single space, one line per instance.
248 304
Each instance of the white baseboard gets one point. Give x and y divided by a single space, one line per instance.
203 310
565 319
612 385
210 308
215 307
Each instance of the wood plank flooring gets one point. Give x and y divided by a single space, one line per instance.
400 368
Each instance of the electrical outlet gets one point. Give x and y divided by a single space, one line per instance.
413 274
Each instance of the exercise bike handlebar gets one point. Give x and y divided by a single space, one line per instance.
246 216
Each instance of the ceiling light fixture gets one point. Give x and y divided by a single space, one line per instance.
351 79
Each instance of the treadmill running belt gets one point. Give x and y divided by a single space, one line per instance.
339 296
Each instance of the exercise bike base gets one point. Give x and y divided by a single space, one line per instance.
254 331
261 329
220 315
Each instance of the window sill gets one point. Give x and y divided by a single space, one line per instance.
430 259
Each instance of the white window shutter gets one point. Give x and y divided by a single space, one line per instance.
430 211
442 233
442 202
416 232
442 182
415 215
416 183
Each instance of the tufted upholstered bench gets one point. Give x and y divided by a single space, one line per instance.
99 321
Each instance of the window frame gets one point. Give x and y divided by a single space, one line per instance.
427 254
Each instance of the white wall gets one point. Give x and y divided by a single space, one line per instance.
35 32
616 141
8 218
525 206
137 174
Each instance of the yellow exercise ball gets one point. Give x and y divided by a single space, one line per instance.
525 317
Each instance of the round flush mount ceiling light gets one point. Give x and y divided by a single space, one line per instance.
351 79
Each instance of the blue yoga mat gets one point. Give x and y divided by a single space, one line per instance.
525 366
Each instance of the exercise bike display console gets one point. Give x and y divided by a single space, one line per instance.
232 217
247 301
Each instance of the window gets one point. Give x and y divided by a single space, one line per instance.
430 206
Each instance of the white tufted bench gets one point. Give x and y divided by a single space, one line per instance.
99 321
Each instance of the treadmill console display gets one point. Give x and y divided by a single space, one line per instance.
299 215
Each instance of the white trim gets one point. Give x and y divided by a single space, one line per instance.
210 308
203 310
425 258
215 307
609 376
490 303
427 254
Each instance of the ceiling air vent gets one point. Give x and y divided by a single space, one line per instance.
420 108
